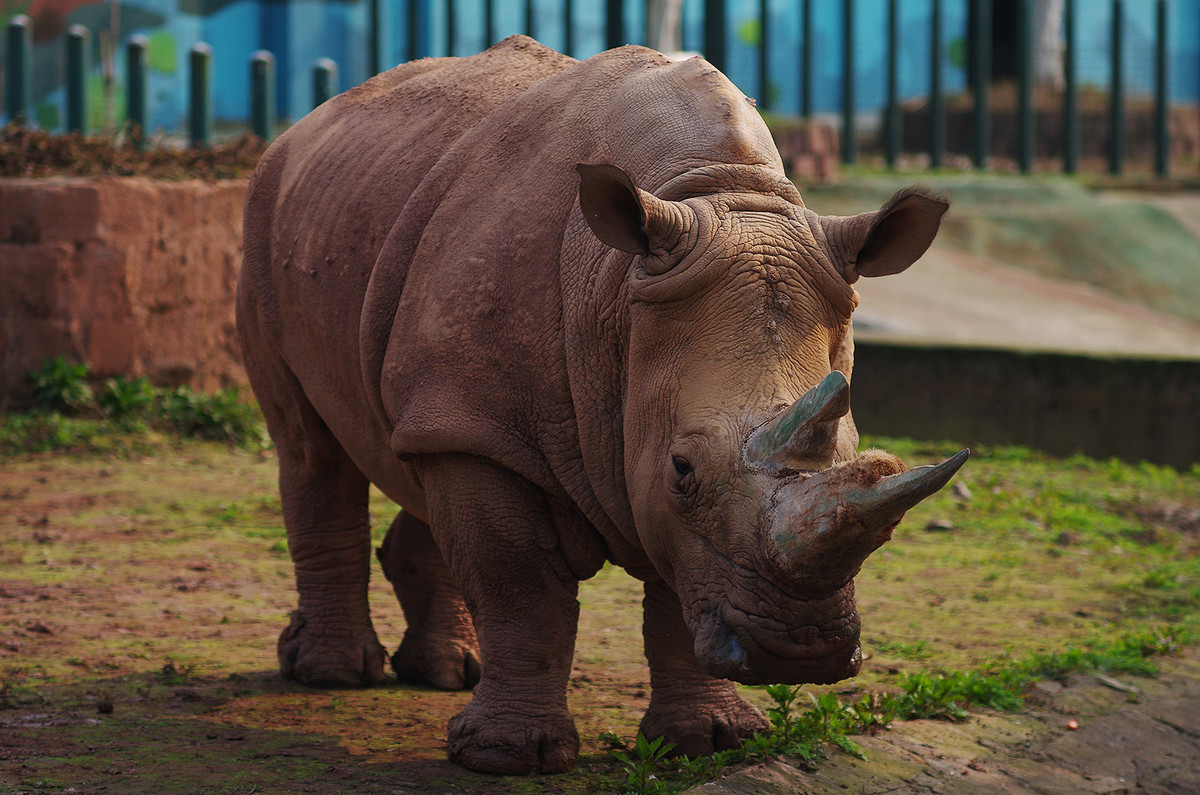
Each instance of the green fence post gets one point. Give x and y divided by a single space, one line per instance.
982 58
200 99
1116 95
78 39
529 31
568 27
413 38
18 70
614 23
262 94
451 27
806 70
937 105
764 90
374 31
136 53
324 78
1070 93
714 33
1025 86
849 133
489 23
891 125
1162 136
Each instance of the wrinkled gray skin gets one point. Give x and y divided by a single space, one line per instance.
566 312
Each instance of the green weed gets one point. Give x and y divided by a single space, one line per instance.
70 415
61 386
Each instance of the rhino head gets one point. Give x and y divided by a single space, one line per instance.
741 464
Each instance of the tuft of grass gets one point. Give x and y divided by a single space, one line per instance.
121 416
935 695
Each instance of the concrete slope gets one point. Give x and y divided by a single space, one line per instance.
953 296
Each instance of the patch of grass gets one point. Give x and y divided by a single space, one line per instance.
126 415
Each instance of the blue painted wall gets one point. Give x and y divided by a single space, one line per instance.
300 31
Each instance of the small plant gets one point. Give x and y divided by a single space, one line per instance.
125 399
641 763
61 386
222 415
170 674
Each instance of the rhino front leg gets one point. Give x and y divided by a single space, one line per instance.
500 543
330 640
688 707
439 646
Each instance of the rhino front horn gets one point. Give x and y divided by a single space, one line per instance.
804 435
887 500
829 523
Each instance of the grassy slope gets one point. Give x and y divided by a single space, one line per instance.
1054 226
157 585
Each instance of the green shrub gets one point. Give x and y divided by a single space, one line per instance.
61 386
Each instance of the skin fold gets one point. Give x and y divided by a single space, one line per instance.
566 312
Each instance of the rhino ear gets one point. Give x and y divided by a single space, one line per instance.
888 240
612 207
633 220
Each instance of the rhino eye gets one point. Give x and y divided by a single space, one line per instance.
682 467
685 477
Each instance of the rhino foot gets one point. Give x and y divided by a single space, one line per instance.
699 728
447 663
323 660
499 741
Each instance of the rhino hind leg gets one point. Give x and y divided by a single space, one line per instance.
689 708
496 531
329 641
439 646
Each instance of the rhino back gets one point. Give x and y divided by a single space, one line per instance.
325 197
465 325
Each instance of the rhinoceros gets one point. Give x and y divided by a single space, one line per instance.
567 312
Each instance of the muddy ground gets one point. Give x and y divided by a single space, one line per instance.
141 595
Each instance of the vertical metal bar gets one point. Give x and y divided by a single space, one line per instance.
489 23
1116 95
891 126
614 23
529 19
982 56
714 33
1070 92
451 27
374 31
568 27
78 39
200 94
764 89
324 80
413 39
262 94
849 133
937 102
1162 136
136 88
1025 86
18 70
806 52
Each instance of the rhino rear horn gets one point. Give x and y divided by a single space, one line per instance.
629 219
888 240
806 432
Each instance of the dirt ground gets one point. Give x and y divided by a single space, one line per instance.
140 599
1131 735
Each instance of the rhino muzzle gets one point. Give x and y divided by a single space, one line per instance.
820 523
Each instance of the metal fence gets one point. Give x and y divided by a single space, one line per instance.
887 129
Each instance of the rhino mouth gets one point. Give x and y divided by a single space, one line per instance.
746 652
